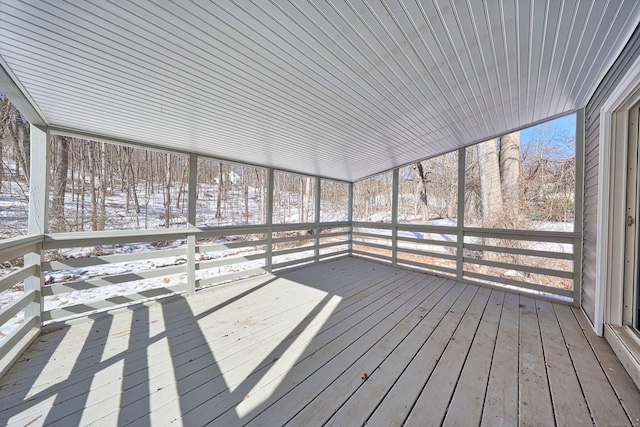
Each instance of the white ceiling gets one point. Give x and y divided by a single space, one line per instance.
341 89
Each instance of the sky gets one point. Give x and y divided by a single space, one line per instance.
564 126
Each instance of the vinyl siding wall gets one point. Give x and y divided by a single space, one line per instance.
592 135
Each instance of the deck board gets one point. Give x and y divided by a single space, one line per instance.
294 349
467 402
535 407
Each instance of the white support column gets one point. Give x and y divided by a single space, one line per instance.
350 219
317 220
578 209
269 249
38 214
394 217
191 223
460 221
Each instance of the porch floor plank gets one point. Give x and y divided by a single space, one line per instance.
344 342
622 383
535 399
603 403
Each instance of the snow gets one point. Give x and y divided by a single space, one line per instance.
88 296
13 214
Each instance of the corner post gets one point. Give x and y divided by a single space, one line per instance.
269 232
462 160
38 215
191 224
350 219
578 226
317 220
394 217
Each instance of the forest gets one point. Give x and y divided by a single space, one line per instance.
510 182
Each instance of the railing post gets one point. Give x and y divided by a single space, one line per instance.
269 236
578 226
460 221
191 224
317 220
350 219
38 215
394 217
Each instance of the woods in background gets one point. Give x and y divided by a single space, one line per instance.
97 186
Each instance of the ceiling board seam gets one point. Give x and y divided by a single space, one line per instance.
592 39
324 45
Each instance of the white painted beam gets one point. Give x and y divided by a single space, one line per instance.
9 86
38 214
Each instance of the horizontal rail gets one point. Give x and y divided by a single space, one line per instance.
111 259
336 234
518 251
520 267
16 277
7 344
427 241
372 235
292 239
8 247
93 238
98 238
531 235
17 306
116 279
111 302
520 284
372 245
378 225
427 253
537 235
435 229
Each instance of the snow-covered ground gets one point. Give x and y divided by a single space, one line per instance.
87 296
13 217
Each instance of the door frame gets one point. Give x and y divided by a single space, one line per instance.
609 319
613 143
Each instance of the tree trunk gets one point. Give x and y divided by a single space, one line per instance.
103 186
94 193
510 174
490 187
423 180
60 174
309 196
220 185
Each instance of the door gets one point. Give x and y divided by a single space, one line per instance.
631 293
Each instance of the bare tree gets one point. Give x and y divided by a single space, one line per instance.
490 186
510 176
422 176
60 175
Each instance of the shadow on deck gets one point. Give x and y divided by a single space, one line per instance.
343 342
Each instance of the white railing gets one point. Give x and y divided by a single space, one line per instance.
15 251
196 259
544 262
217 255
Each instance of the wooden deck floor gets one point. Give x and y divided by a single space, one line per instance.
346 342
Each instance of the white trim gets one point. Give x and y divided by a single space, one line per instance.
19 96
620 96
